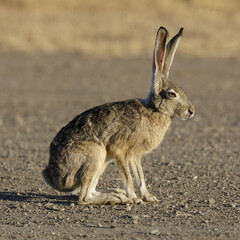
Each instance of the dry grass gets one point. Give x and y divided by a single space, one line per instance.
121 27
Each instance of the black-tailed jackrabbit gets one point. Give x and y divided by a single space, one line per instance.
123 131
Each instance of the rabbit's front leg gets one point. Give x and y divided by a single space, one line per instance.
139 176
123 166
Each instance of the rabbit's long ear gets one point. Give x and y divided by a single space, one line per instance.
158 59
170 52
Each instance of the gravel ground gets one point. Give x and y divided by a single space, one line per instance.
194 173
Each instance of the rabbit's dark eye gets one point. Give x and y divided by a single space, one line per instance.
171 94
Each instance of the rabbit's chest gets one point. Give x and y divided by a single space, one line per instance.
153 136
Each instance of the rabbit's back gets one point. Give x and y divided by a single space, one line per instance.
99 124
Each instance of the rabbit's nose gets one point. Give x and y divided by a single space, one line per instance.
191 113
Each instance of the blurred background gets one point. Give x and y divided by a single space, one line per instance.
61 57
119 28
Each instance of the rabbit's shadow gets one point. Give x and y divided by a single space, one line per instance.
36 197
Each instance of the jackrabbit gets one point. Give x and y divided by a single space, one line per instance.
123 131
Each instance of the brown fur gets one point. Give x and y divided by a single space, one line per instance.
122 131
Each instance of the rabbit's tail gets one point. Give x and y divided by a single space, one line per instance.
47 176
62 185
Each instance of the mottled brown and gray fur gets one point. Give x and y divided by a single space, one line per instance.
123 131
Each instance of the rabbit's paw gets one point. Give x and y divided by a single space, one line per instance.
137 200
150 198
124 199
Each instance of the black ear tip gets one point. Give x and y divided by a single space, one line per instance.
180 31
163 29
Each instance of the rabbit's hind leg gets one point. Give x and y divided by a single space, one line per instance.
96 179
94 164
88 194
90 171
97 198
110 198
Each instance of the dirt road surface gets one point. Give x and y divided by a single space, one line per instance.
194 173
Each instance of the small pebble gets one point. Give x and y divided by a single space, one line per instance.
135 217
48 204
211 202
129 208
54 207
233 205
155 232
171 163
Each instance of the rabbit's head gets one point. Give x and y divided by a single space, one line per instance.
165 96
